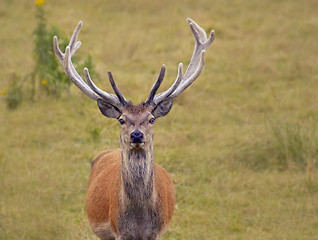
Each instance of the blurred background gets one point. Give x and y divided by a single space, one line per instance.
241 144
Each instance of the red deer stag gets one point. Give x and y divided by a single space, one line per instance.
130 197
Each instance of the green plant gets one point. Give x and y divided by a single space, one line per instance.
48 74
49 78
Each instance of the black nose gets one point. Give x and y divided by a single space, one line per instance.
136 136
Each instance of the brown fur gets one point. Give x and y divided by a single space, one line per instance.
105 186
136 109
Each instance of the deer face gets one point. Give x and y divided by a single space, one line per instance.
136 127
136 121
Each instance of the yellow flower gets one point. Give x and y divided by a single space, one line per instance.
39 2
3 92
43 82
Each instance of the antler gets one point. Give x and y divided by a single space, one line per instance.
88 87
194 69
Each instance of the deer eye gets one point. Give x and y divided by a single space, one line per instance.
152 120
121 121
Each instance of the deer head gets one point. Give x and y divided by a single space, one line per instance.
137 120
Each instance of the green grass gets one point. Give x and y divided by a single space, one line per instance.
241 139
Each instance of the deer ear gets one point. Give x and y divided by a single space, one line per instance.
162 108
108 109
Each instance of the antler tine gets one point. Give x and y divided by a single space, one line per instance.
185 84
88 87
57 50
195 67
61 57
159 97
75 78
73 44
116 89
75 34
201 43
105 95
73 49
70 70
156 85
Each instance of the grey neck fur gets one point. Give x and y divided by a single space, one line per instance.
137 174
139 217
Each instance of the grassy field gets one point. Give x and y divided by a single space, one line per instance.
241 144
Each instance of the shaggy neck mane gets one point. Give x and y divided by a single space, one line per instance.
137 174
